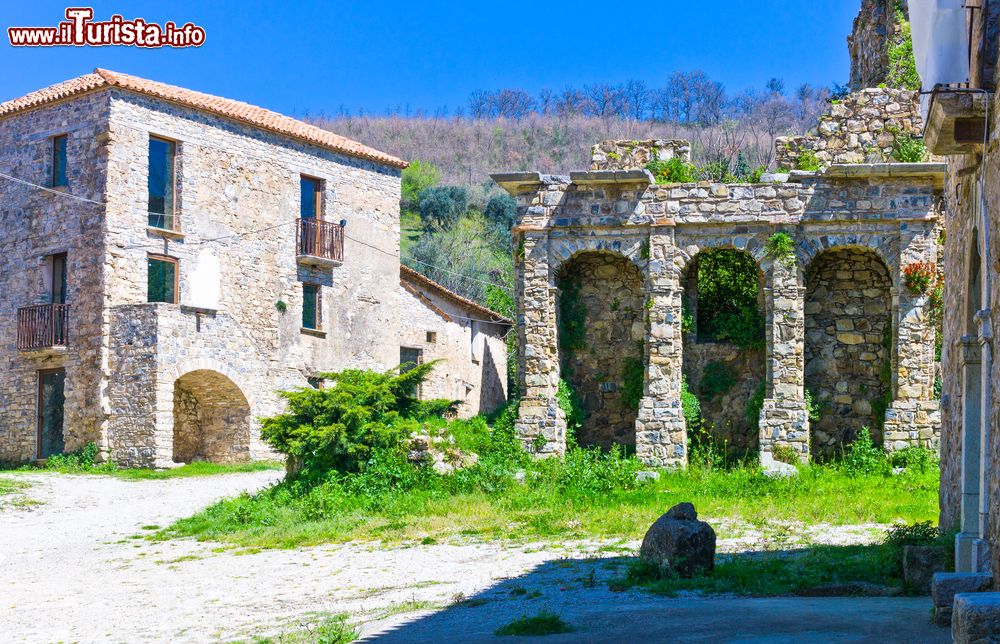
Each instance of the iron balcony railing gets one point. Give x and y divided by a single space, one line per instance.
321 239
43 326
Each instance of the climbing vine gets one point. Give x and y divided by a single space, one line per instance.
632 379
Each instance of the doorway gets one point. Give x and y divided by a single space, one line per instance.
51 403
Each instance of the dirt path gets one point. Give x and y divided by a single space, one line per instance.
74 571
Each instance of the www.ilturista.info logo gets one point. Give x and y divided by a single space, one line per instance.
79 30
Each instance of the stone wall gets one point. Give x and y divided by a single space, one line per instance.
35 224
857 129
601 301
626 155
869 43
724 416
847 349
472 350
892 210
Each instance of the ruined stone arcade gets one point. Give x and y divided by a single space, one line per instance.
837 316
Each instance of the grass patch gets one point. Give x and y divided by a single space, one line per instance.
775 573
195 469
332 629
12 493
544 623
557 500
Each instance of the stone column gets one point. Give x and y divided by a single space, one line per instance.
914 417
784 419
660 430
541 425
965 540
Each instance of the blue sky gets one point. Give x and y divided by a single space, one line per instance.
312 57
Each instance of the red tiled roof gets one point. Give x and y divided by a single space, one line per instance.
228 108
407 274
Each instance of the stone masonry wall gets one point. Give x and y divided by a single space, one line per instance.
627 155
869 43
847 314
35 224
724 416
890 210
857 129
473 371
604 294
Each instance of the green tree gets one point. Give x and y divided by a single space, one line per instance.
441 207
417 177
501 215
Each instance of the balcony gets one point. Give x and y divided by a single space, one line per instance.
42 327
956 122
319 243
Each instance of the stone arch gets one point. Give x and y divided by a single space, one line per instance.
848 344
601 332
635 249
211 418
885 247
723 375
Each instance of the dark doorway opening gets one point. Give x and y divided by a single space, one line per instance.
51 403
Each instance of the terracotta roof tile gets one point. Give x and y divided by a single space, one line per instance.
407 274
228 108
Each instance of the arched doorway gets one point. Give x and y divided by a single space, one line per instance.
601 326
211 419
724 341
848 347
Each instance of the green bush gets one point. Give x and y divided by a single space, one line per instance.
716 380
902 65
82 460
865 458
343 425
572 407
416 177
907 148
914 458
691 407
441 207
544 623
591 471
755 405
807 161
672 171
728 284
781 248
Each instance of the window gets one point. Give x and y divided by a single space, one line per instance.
162 279
410 357
59 161
311 191
310 306
161 183
57 275
316 382
432 337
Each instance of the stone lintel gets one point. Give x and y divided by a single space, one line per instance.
935 171
639 177
518 182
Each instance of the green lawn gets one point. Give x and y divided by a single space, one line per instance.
139 474
554 503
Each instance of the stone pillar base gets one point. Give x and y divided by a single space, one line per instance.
975 618
784 424
944 587
911 423
661 433
541 427
965 547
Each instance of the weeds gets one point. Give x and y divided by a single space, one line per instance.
544 623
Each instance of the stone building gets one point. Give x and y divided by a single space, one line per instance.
603 262
959 121
169 260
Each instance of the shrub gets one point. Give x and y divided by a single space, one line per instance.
589 471
807 161
864 457
914 458
690 407
544 623
754 405
717 379
633 376
727 298
908 148
781 248
82 460
343 425
441 207
416 178
572 407
813 407
501 215
672 170
902 66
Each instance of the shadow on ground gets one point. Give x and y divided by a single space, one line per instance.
577 591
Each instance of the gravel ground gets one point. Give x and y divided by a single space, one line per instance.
74 569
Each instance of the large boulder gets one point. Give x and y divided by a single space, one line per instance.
919 565
679 544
